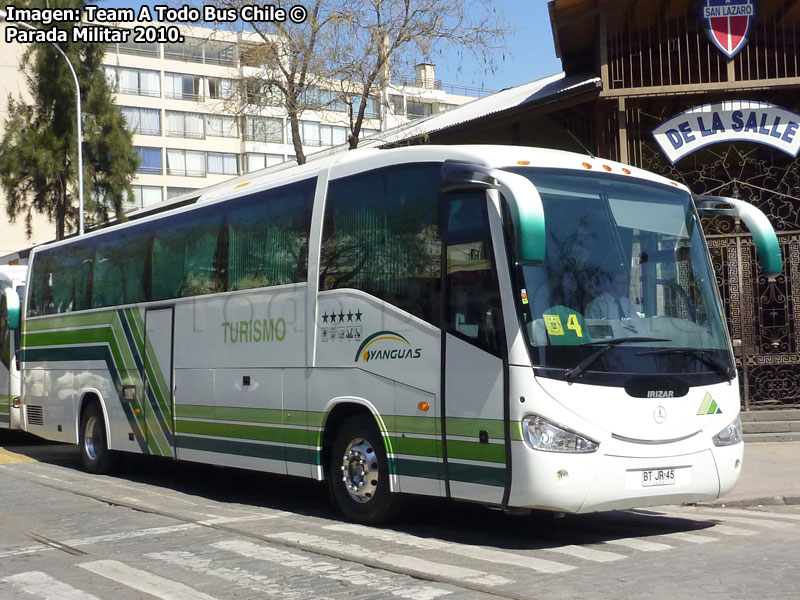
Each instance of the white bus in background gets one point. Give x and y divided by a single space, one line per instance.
12 289
426 320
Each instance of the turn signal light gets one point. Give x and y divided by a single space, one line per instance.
423 406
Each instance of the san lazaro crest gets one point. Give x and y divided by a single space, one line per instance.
728 23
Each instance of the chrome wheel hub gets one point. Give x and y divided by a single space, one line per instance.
91 438
360 470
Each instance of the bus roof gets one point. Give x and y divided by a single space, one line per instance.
342 164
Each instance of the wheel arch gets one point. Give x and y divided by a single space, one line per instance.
89 396
336 412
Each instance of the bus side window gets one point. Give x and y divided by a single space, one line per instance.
473 305
381 235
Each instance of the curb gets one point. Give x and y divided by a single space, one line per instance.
755 501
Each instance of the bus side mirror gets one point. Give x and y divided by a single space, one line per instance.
767 245
524 203
12 307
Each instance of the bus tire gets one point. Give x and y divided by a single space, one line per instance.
93 441
359 472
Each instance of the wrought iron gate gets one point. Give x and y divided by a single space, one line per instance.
763 317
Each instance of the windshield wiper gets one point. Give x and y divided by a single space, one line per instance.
702 354
571 374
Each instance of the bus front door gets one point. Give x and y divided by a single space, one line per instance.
158 386
473 410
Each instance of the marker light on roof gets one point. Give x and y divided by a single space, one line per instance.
626 171
523 163
607 168
586 165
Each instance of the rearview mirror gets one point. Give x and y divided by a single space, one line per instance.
767 245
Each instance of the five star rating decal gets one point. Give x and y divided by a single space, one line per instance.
340 326
341 316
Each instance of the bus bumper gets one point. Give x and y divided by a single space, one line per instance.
586 483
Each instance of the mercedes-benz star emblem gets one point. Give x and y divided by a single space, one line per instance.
660 414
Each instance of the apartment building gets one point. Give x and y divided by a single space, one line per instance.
195 124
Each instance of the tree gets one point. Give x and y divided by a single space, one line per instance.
38 151
344 52
373 36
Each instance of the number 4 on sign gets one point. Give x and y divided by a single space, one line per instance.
574 325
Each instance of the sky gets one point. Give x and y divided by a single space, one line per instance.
529 53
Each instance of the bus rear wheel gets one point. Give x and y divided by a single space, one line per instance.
359 473
93 441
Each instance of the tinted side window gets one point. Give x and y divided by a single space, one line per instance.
183 256
473 307
62 279
254 241
119 268
268 237
381 235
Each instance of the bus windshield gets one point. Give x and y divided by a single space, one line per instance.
626 289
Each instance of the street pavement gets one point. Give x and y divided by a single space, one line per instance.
770 475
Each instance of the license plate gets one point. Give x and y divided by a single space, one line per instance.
655 477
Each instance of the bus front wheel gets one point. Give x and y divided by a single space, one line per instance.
359 472
96 456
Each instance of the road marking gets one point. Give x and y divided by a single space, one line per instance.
42 585
11 458
587 553
690 537
236 575
398 561
466 550
637 544
380 584
721 516
726 530
746 513
155 585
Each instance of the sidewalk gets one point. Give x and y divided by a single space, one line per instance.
770 475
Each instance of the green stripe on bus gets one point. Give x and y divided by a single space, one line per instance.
476 451
87 353
134 318
112 336
68 320
516 431
268 451
425 425
224 413
297 418
477 474
301 437
416 446
415 468
472 427
245 432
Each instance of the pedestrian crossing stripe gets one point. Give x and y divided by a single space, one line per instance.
709 406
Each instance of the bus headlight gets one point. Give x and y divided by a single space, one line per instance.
541 434
729 436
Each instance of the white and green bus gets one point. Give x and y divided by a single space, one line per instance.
12 289
404 321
